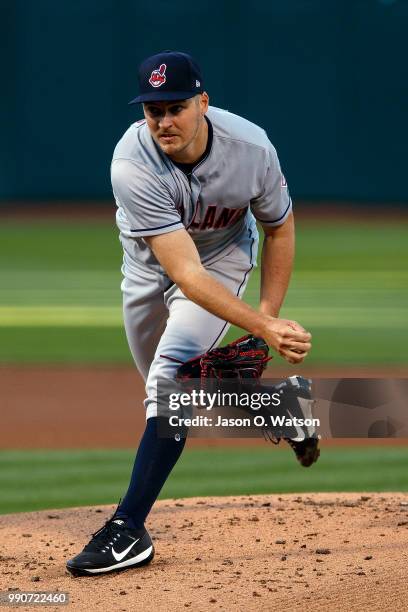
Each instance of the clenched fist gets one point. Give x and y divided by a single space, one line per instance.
288 338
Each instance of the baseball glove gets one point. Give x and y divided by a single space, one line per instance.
245 358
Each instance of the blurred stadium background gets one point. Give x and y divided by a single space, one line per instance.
328 82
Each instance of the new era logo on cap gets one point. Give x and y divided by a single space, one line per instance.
170 75
158 77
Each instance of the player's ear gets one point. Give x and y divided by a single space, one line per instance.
204 101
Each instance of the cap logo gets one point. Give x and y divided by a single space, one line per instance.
158 77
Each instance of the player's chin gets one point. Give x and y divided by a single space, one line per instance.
169 149
170 146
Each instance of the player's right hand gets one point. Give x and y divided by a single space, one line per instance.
287 338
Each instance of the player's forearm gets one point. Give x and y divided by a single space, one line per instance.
200 287
178 255
276 268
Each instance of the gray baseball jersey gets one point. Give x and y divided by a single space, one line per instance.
239 180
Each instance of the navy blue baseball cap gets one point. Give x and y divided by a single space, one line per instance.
170 75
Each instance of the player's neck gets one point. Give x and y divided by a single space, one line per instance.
196 148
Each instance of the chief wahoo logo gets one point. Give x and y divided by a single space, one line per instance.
158 77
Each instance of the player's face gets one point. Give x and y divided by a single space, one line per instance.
178 127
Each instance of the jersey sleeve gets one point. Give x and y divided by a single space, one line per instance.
273 205
145 199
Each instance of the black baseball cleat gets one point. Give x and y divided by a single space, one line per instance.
296 408
114 547
306 443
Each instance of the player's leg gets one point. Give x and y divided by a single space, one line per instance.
145 319
190 331
144 315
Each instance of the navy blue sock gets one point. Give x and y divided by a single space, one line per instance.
154 461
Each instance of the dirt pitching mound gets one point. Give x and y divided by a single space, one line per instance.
267 552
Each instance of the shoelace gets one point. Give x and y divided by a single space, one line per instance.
109 521
108 527
106 534
269 436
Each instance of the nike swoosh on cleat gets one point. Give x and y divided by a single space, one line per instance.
299 430
122 555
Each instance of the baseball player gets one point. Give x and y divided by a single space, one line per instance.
190 181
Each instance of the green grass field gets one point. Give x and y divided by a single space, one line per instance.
60 296
60 302
33 480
